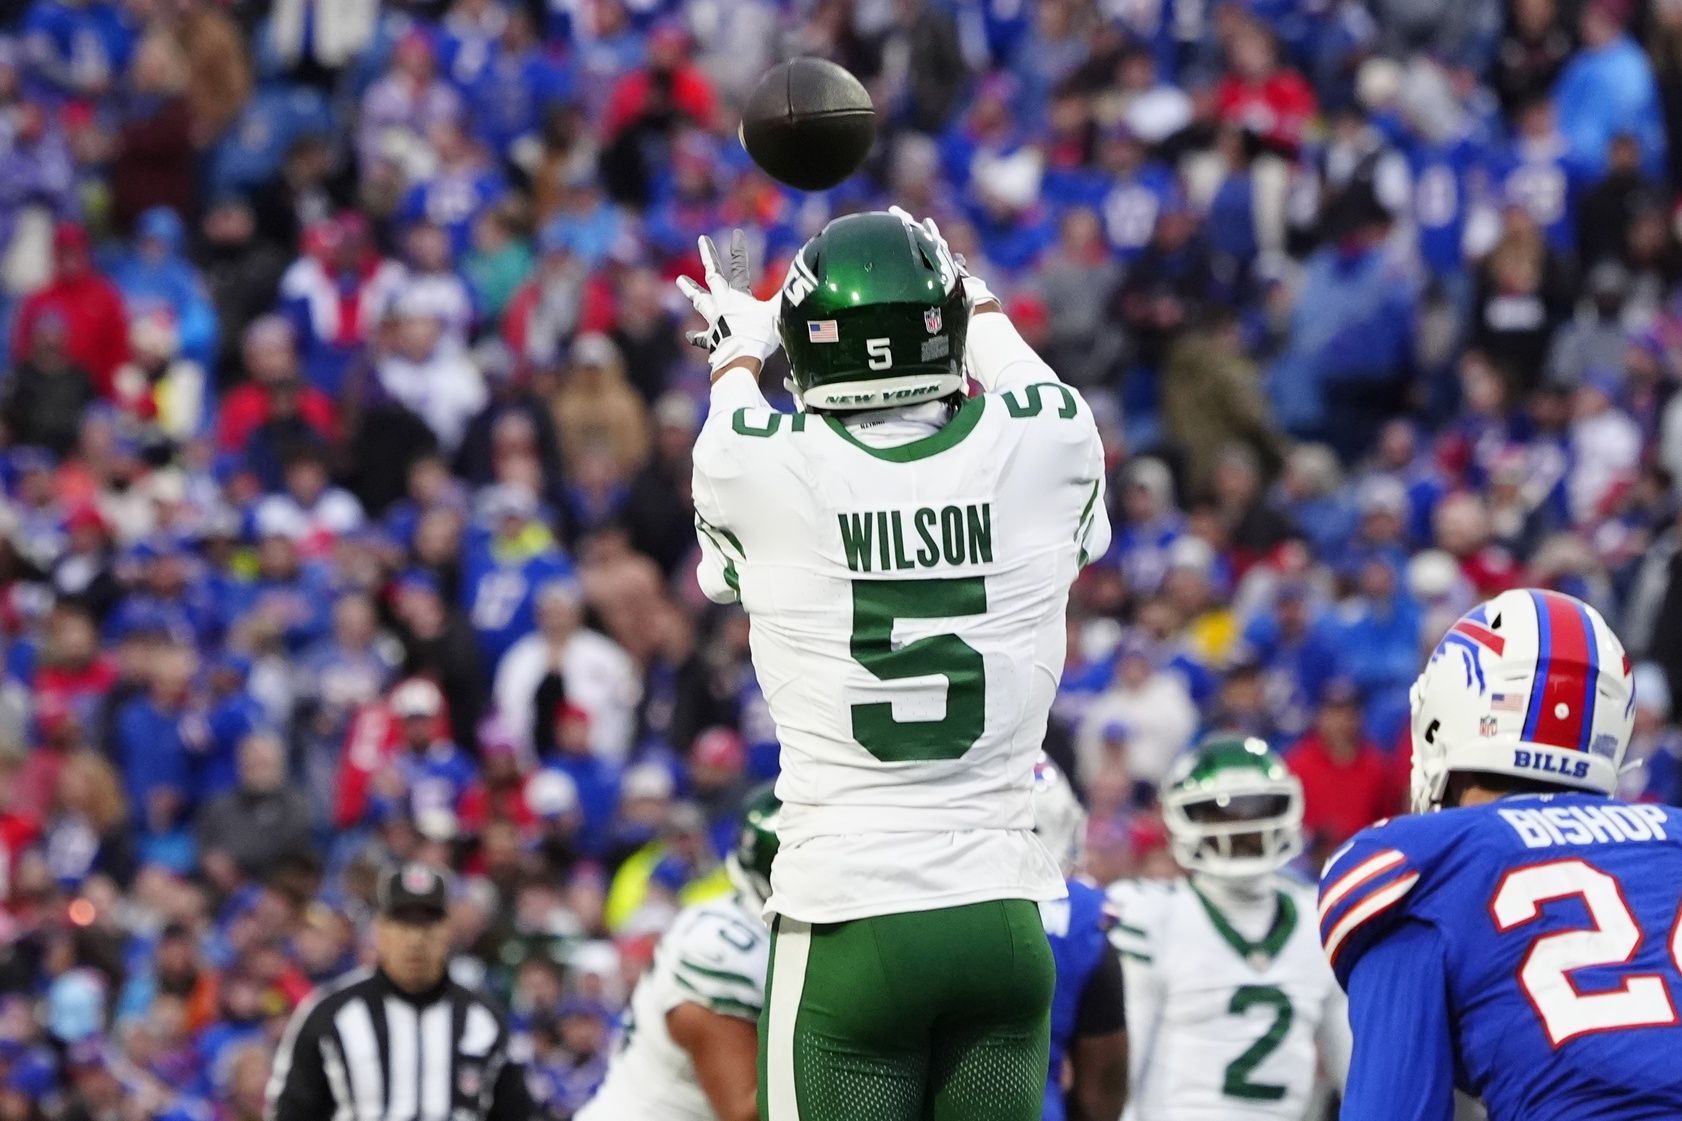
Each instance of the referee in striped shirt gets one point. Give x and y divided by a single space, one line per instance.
399 1041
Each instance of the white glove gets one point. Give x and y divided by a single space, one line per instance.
975 289
738 325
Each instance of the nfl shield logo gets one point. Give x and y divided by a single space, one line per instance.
931 319
1486 726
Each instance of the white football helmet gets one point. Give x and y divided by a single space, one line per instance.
1233 809
1059 820
1531 684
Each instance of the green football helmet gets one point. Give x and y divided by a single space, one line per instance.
749 862
873 315
1233 809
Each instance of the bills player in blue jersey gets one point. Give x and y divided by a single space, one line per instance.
1088 1017
1518 937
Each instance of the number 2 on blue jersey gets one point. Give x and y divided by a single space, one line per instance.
1613 938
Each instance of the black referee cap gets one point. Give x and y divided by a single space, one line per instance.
414 891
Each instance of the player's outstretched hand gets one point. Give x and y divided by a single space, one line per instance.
738 325
976 291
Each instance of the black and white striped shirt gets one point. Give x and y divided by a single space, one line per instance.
361 1049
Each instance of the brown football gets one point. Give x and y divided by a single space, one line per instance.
809 124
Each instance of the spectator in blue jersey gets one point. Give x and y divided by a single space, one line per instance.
336 296
987 130
1152 525
35 168
1131 190
429 771
433 281
1382 529
563 742
156 736
1445 161
1349 359
467 34
1296 646
458 188
232 716
1378 641
1311 495
275 122
1607 88
157 277
287 594
76 47
515 85
1541 175
336 676
400 110
509 555
163 586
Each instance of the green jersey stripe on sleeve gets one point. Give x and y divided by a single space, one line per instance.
717 974
727 1005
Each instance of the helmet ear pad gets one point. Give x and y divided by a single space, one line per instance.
1532 685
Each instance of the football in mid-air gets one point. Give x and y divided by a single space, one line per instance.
809 124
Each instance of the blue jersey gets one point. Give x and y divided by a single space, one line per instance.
1078 930
1541 179
500 595
1445 178
1131 206
1524 950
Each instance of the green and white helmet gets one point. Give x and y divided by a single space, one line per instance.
873 315
1233 809
749 862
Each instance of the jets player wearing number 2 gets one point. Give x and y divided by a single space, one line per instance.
905 555
687 1052
1518 936
1231 1011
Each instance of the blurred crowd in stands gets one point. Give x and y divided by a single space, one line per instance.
345 419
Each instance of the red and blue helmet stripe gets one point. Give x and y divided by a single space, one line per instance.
1562 694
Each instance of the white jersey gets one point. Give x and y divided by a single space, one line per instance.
1231 1013
714 955
907 586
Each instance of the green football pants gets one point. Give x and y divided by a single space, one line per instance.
927 1016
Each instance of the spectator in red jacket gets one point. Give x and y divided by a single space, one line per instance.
1259 94
669 82
1347 783
90 306
271 365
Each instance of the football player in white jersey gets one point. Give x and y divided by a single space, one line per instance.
1232 1012
688 1050
904 553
